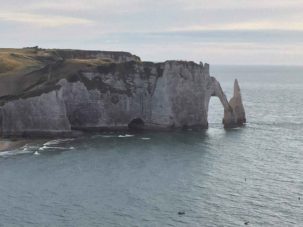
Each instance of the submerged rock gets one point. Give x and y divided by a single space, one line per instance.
91 90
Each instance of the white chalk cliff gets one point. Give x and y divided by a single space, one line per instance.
78 92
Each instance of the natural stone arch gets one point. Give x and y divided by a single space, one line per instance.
234 113
214 111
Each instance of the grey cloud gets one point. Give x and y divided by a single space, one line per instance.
171 28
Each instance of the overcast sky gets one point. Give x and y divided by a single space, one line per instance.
214 31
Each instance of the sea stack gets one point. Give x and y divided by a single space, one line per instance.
235 116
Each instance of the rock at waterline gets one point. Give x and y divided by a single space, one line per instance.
235 115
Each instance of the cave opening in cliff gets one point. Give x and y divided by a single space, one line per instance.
215 113
136 124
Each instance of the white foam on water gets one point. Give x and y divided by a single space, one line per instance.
27 147
48 145
57 148
145 138
125 136
42 148
52 145
108 136
14 152
104 136
58 141
36 153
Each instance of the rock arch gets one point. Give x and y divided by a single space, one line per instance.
234 113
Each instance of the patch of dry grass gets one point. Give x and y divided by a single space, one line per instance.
89 62
14 61
8 64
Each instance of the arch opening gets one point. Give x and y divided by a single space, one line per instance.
136 124
215 112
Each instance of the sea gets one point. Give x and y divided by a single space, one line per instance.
247 176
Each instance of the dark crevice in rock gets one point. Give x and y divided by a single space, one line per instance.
136 124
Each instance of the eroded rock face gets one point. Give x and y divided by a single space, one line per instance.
170 95
41 115
118 95
236 115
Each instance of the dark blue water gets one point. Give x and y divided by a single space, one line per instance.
217 177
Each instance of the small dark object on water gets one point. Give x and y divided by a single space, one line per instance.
245 179
246 223
181 212
299 198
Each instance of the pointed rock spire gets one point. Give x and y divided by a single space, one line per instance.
235 115
236 88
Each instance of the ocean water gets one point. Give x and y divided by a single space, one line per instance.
215 177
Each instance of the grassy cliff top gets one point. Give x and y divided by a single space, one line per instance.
22 61
32 71
23 69
13 61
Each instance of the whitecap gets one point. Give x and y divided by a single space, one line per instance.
57 148
58 141
13 152
125 136
27 147
42 148
108 136
145 138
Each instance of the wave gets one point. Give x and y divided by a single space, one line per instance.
14 152
108 136
53 145
125 136
57 141
56 148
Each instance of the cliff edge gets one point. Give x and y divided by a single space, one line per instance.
53 91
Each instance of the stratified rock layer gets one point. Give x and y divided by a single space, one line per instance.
84 91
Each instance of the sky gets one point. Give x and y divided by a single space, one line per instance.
215 31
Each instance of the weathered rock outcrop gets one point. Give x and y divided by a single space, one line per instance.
87 91
41 115
236 115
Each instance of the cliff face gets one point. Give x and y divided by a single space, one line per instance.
88 91
41 115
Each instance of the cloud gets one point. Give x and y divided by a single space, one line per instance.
258 25
239 4
68 6
223 31
42 20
